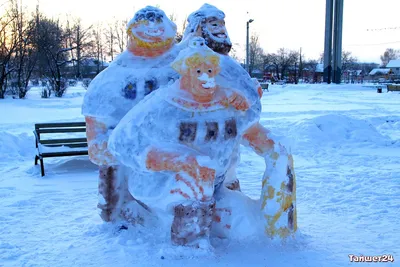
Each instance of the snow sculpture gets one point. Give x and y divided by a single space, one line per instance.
208 22
181 141
138 71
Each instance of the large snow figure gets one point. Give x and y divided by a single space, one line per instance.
208 22
138 71
180 142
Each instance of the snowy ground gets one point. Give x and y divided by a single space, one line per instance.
346 145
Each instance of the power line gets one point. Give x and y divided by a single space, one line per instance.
384 29
395 42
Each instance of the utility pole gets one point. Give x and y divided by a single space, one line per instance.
300 66
247 44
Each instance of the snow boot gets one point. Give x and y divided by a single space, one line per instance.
192 223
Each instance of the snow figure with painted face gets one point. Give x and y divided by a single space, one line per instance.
137 72
208 22
182 139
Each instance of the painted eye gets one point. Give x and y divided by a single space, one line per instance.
198 71
209 70
215 24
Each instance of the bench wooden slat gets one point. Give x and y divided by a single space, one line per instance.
64 130
65 153
63 141
264 86
68 145
60 125
393 87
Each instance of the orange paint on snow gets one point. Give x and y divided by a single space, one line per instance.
258 138
179 191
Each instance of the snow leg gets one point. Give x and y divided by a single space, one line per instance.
222 222
279 196
192 223
113 192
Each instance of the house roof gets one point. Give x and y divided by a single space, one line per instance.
354 72
379 71
319 67
90 62
256 71
394 63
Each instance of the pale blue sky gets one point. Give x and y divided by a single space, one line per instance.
279 23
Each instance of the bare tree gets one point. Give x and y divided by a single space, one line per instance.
109 34
98 48
121 35
24 59
301 64
270 62
179 33
51 43
8 45
348 61
388 55
79 37
256 54
285 59
311 66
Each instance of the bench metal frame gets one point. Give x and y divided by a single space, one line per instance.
61 127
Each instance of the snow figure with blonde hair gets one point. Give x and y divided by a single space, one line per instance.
209 23
141 69
180 142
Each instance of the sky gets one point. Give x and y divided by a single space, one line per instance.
369 26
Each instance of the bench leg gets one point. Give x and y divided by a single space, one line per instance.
42 166
36 159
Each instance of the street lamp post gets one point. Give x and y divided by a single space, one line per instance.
247 44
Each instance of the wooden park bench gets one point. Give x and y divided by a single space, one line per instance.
264 86
58 145
393 87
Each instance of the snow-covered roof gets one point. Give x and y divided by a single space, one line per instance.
256 71
394 63
379 71
319 67
354 72
89 62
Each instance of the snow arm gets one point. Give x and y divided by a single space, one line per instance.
278 194
235 99
97 137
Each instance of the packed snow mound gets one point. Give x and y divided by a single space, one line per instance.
16 146
388 125
334 128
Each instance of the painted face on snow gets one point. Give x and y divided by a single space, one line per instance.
198 65
150 32
214 32
149 27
